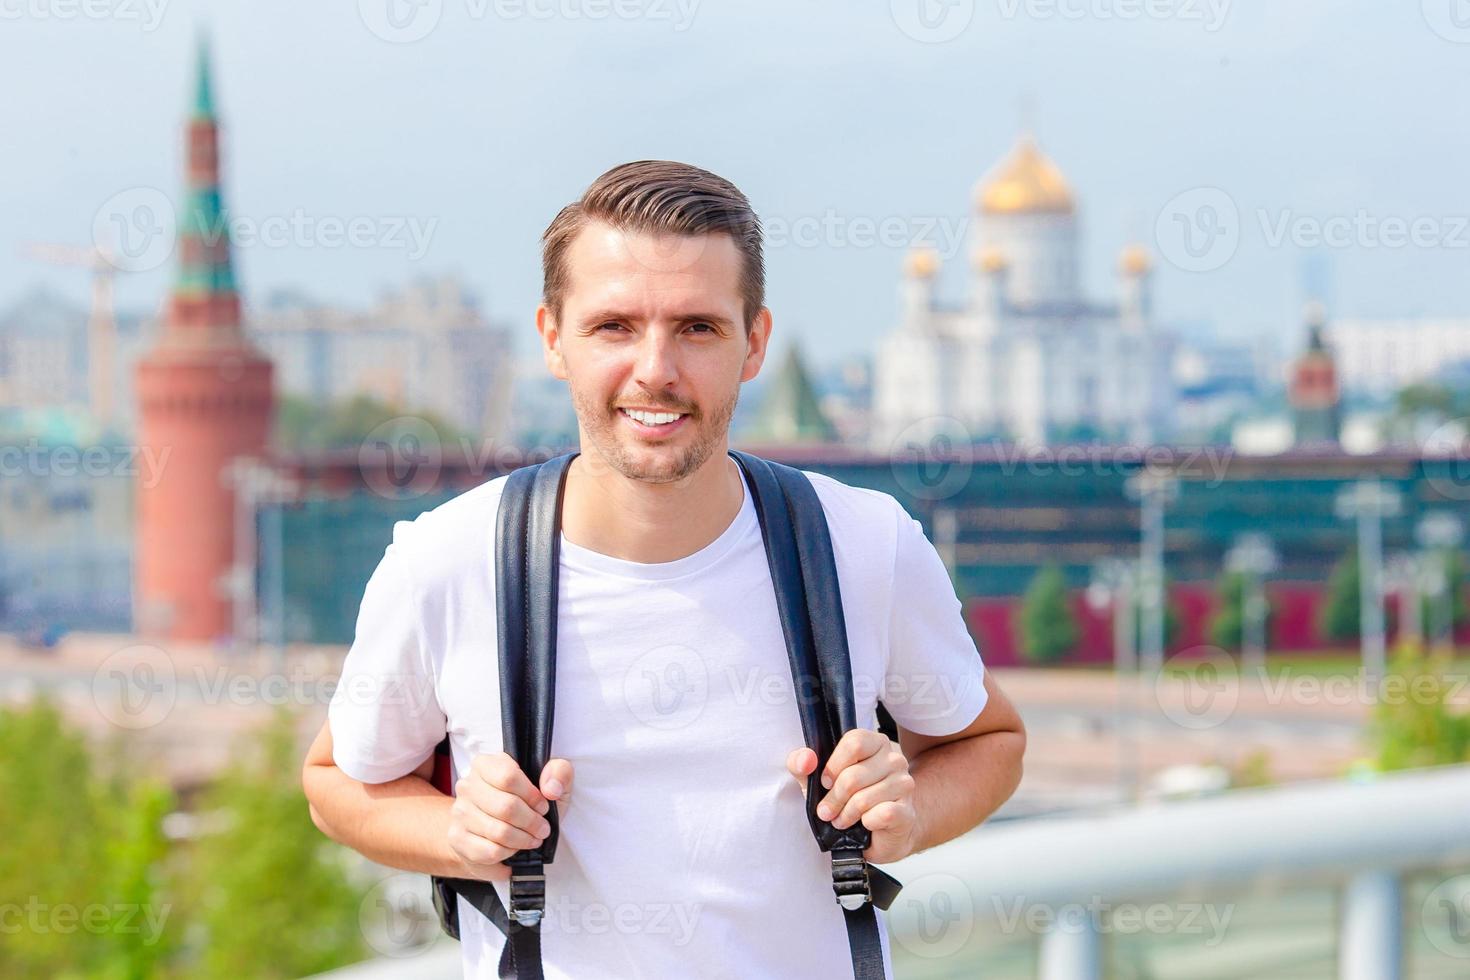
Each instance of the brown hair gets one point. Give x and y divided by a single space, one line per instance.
659 196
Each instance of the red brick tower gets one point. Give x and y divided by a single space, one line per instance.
1316 403
205 398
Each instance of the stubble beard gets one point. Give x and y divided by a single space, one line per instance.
601 421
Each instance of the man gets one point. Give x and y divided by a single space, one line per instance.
684 847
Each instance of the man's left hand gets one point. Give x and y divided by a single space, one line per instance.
867 780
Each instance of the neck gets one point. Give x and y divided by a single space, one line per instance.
649 523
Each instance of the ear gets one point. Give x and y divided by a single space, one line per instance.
550 342
756 344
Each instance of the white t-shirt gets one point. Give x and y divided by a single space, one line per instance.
684 848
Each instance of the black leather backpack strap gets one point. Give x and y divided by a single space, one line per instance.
809 602
527 556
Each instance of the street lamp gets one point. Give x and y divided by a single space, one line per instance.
946 539
1112 587
1153 490
1370 501
1405 578
1439 533
1252 557
257 484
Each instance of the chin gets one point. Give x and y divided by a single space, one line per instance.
660 465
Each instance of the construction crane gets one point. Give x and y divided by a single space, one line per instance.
101 323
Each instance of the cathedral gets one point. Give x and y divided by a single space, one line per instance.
1025 357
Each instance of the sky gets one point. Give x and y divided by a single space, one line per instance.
1236 139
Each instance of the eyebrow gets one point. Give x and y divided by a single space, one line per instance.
602 316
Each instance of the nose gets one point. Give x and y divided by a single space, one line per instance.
657 361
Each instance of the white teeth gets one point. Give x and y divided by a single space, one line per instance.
652 418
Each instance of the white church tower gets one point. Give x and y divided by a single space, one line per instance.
1026 358
1025 212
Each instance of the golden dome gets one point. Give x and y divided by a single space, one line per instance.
1026 182
989 259
921 263
1135 260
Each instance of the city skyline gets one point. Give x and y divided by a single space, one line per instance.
1317 159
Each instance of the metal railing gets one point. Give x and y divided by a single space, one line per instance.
1361 836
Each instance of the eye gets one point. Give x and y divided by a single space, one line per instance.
611 323
709 328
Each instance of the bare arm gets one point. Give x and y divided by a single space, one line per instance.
961 779
926 789
402 824
408 824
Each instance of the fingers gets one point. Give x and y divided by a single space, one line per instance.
556 779
893 788
890 816
492 830
870 776
503 806
504 773
800 763
496 813
854 746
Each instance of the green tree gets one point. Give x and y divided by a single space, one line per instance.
1340 617
274 899
78 846
1227 626
1048 630
1416 407
137 867
1417 726
1455 585
53 856
303 425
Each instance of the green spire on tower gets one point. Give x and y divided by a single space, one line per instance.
203 86
790 411
203 232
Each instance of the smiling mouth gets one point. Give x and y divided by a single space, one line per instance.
652 422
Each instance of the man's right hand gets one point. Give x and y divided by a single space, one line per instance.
497 812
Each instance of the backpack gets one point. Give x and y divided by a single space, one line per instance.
804 572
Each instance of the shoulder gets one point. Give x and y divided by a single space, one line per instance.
446 540
857 503
858 514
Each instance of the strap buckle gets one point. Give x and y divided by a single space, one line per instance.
527 896
850 879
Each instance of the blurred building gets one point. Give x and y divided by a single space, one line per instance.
1026 356
66 530
999 513
425 348
43 353
1217 384
1378 357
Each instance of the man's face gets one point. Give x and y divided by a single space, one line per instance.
653 327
